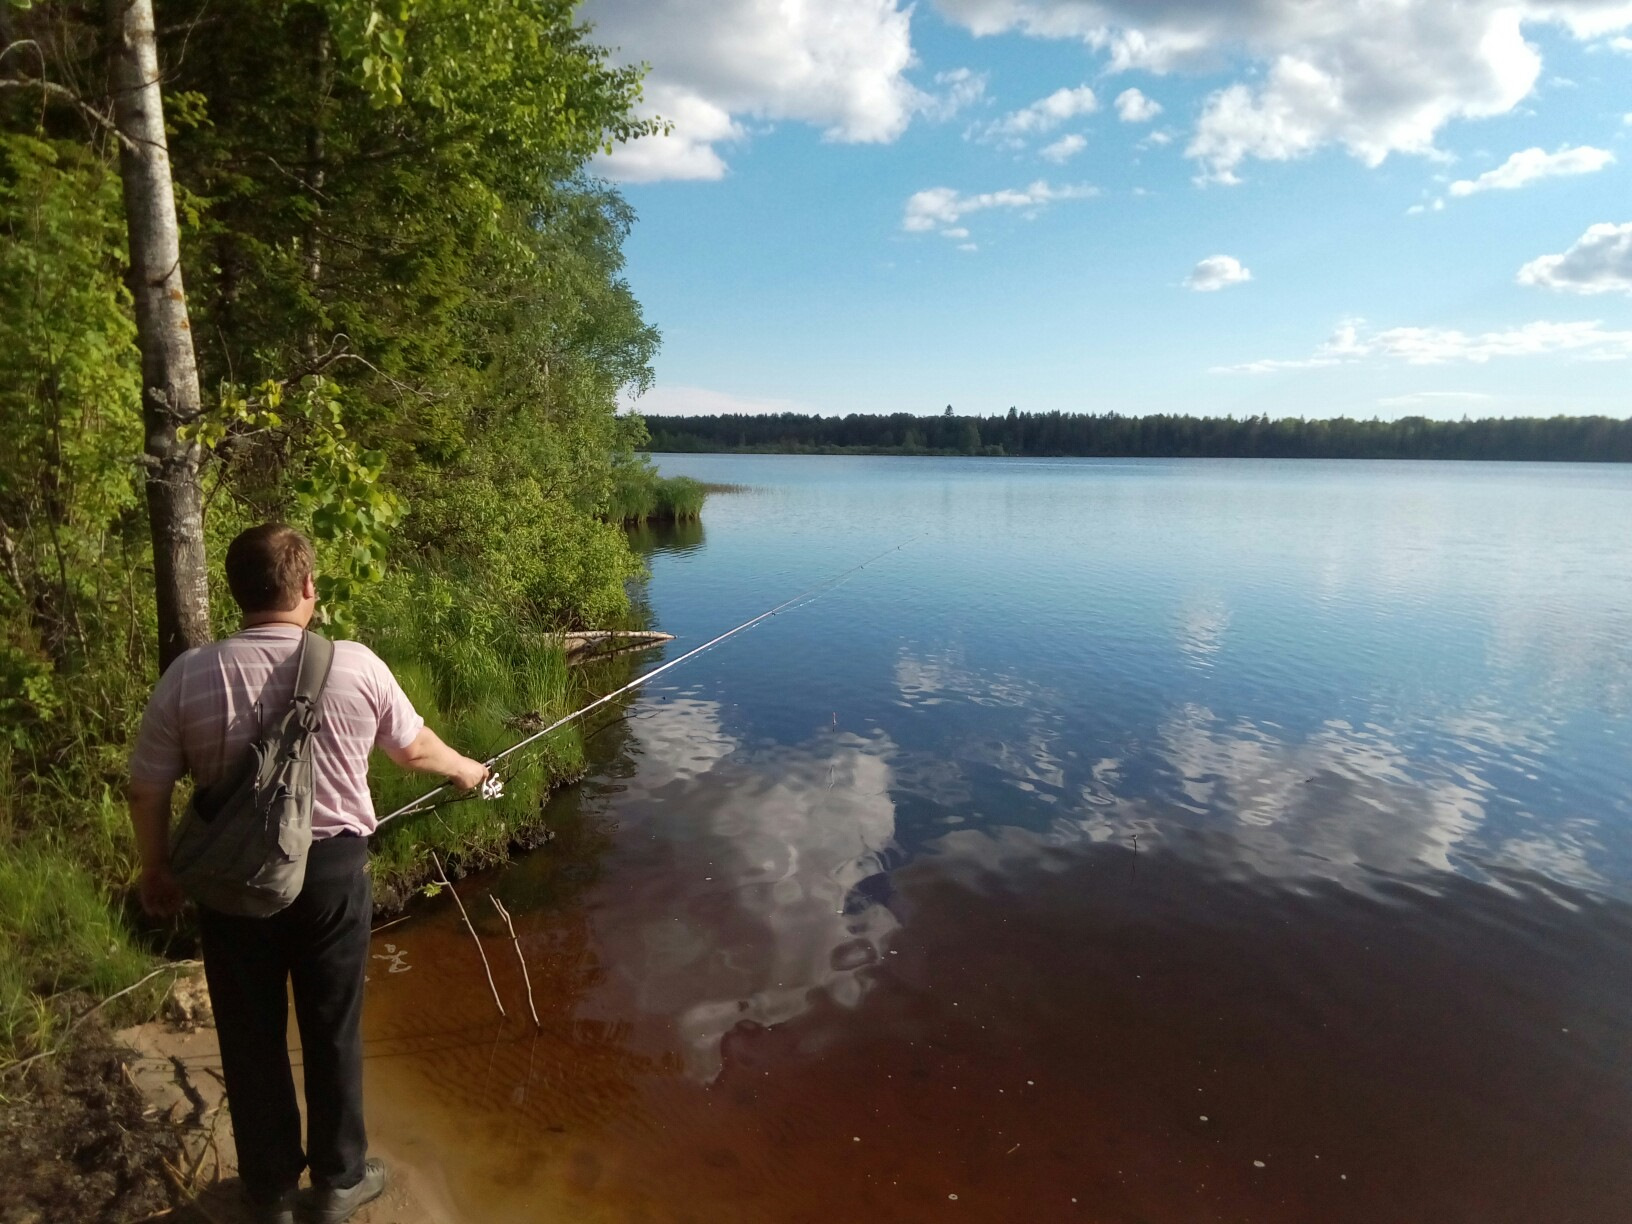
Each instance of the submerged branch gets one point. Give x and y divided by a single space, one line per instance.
442 879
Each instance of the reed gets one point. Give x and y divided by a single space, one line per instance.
639 495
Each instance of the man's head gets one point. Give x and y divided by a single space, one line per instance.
269 571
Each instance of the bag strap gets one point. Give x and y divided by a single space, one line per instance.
316 658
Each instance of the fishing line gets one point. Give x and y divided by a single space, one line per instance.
422 803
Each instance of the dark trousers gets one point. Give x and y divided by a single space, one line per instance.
320 943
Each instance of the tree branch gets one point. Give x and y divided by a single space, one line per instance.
53 90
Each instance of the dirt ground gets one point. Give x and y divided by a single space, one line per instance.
131 1126
80 1142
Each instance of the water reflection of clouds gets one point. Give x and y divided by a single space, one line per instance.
1032 756
679 738
1341 799
1342 802
1202 624
930 681
755 902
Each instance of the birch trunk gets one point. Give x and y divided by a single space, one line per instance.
170 395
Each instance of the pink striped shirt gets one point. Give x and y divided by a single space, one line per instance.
203 714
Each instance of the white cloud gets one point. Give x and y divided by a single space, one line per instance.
1043 115
1430 399
1064 149
1623 45
1217 272
955 91
687 152
941 208
1375 79
1585 340
668 399
838 64
1133 107
1599 262
1529 165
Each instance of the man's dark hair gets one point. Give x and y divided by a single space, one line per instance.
266 567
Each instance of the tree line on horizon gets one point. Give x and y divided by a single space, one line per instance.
1592 439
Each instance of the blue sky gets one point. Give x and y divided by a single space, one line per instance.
1305 207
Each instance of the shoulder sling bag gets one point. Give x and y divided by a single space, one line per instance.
241 845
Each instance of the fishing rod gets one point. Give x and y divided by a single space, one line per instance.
491 788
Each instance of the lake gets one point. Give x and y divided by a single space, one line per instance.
1127 841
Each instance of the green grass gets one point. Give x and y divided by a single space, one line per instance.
482 679
59 933
67 856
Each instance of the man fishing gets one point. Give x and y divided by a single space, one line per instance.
208 707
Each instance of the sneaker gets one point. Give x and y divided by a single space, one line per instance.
337 1206
280 1210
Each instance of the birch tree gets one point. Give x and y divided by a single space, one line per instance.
170 392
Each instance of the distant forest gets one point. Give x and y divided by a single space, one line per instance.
1570 439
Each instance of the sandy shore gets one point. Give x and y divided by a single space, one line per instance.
177 1068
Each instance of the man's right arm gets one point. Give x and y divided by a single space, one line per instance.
426 753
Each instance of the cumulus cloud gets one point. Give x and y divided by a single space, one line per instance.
688 151
837 64
1063 149
1217 272
1043 115
1586 340
1529 165
1133 107
939 209
1375 79
1599 262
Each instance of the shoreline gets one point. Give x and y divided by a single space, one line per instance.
174 1063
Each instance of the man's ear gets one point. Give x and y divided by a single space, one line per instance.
308 587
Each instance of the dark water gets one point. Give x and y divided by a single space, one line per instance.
1186 841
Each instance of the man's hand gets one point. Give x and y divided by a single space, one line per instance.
469 774
160 894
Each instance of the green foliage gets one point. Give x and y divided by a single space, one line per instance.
69 392
76 621
411 298
337 492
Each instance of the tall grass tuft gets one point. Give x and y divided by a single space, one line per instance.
640 495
